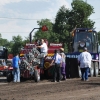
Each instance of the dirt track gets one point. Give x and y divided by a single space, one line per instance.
71 89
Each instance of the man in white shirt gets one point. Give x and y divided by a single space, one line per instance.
85 63
44 51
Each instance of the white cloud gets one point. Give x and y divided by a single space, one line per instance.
13 29
25 26
38 0
3 2
63 2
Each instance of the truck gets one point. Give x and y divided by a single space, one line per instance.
3 56
80 38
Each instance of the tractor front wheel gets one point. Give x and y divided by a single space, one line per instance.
9 77
36 76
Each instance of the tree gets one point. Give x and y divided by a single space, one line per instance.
17 44
49 35
61 26
67 19
4 42
81 12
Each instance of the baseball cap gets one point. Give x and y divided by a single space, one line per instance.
85 48
62 49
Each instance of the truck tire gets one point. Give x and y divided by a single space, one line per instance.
9 77
92 69
4 73
96 69
36 76
79 71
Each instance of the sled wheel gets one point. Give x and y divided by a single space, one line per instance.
36 76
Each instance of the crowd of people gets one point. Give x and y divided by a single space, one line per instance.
59 62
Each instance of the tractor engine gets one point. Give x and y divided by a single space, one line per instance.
29 60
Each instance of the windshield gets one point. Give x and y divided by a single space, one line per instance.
83 39
82 36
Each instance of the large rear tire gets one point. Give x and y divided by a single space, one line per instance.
79 71
92 69
36 76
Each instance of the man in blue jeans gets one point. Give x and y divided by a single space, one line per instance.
85 59
16 70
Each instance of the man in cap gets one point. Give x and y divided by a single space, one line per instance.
63 64
85 63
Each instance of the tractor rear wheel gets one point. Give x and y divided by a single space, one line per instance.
79 71
96 69
92 69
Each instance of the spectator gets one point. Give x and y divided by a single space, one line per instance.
85 63
63 64
16 70
57 70
44 50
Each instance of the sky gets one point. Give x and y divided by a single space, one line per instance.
19 17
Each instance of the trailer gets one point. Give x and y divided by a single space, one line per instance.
82 37
3 56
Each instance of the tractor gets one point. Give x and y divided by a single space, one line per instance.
80 38
29 66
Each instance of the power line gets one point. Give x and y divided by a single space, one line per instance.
14 32
32 19
20 18
96 19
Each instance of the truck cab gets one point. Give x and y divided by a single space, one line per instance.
84 37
